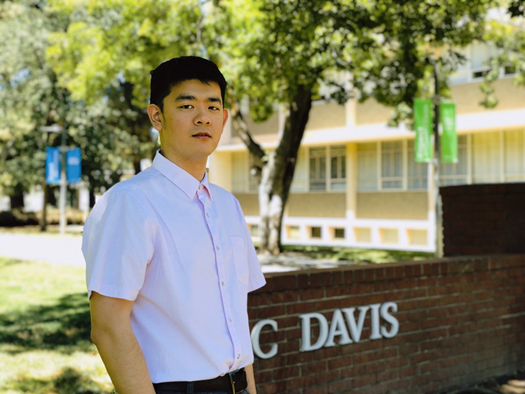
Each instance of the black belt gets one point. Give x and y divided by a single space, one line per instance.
234 382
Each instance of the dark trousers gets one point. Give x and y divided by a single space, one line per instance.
220 385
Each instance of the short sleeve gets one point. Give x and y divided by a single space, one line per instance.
256 278
117 244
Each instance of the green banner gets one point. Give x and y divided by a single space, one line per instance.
423 128
449 139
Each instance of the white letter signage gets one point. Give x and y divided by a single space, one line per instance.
306 342
394 329
342 330
356 329
256 332
375 321
338 328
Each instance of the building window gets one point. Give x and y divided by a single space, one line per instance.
486 166
239 172
317 168
293 232
339 233
315 232
329 162
417 173
392 165
300 175
367 167
492 157
338 168
456 173
254 230
514 157
480 54
476 65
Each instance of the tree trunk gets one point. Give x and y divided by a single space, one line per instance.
16 199
136 164
276 169
91 197
277 173
43 220
51 197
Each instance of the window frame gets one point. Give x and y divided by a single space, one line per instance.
328 169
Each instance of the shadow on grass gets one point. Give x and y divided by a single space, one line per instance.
63 327
69 381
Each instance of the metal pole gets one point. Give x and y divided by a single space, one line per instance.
43 222
63 183
437 195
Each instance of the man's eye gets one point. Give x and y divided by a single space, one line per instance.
214 108
187 106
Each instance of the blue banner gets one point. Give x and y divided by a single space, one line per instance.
52 166
74 165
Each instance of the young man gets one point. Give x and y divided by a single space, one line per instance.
169 257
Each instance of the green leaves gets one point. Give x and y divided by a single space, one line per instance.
110 131
107 42
88 61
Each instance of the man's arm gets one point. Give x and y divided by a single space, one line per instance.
112 334
251 379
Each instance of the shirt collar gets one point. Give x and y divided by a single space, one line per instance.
182 179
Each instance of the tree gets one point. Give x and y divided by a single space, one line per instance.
30 97
109 48
387 46
272 52
507 34
107 147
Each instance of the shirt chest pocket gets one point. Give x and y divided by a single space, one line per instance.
240 258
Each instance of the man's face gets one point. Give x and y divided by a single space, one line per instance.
192 122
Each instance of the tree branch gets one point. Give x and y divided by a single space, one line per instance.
241 127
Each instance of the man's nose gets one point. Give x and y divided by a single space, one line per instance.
202 118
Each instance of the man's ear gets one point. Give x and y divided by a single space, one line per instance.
225 115
155 116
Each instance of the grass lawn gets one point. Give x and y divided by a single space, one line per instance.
357 255
44 331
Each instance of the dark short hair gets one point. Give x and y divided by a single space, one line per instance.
180 69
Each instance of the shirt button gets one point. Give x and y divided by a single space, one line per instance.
217 247
230 320
238 356
207 215
222 283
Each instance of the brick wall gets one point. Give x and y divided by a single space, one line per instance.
483 219
461 320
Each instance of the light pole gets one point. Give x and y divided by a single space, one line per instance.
437 196
56 128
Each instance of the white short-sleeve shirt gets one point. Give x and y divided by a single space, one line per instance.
181 250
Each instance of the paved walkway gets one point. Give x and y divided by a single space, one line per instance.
66 250
48 248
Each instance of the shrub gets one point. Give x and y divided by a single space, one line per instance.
16 217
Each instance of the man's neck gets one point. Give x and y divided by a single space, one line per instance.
196 169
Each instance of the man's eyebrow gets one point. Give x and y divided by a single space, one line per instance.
189 97
183 97
215 100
